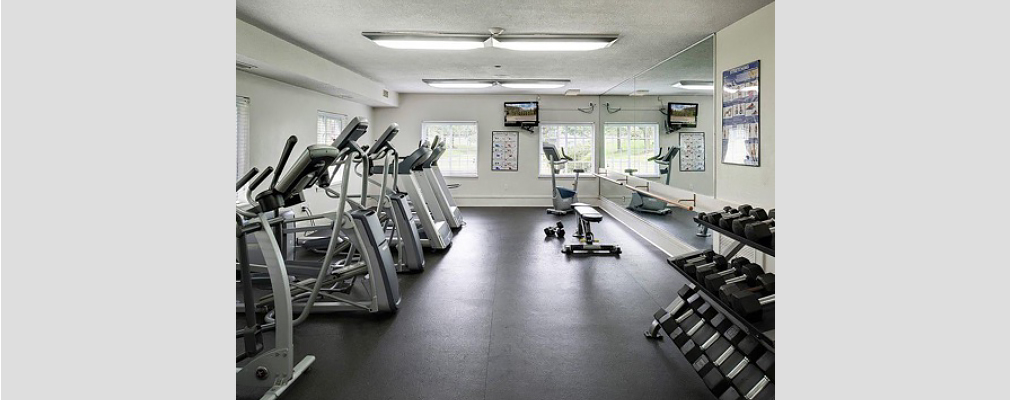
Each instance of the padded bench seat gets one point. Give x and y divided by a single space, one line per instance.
587 212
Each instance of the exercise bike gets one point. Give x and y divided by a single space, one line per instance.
561 197
645 203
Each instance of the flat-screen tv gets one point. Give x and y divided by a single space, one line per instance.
520 113
682 115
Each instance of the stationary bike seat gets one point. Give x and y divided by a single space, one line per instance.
578 170
587 212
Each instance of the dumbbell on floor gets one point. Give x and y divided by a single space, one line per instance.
558 230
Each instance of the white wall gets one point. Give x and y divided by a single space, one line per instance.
749 39
278 110
522 187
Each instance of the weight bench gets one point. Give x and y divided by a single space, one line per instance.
586 215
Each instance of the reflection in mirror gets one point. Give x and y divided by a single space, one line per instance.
659 135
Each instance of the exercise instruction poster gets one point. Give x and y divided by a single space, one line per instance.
692 151
504 151
741 128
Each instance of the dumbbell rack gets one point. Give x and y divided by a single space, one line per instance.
733 363
701 324
741 241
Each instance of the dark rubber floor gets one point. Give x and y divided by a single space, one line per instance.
503 314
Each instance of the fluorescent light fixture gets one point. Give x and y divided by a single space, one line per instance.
534 83
694 85
427 41
553 42
572 92
459 83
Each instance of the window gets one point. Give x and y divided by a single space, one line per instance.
630 145
577 141
328 126
241 140
460 157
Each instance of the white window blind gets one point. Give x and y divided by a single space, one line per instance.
630 145
328 126
460 157
577 139
241 140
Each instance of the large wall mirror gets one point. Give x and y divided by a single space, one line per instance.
667 107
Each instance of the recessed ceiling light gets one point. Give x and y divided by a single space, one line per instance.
534 83
572 92
639 92
459 83
427 41
694 85
553 42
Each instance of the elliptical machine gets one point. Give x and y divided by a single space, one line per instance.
645 203
561 197
274 369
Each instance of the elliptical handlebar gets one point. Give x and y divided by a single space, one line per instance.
288 147
245 178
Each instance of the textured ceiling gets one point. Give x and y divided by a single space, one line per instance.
650 31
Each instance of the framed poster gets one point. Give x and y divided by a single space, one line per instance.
692 151
741 111
504 151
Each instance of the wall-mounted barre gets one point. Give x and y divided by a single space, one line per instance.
675 203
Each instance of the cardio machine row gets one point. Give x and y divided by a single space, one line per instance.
358 239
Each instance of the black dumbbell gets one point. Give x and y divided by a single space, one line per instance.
558 230
755 215
760 230
733 367
718 262
714 218
666 317
703 272
691 258
747 273
726 221
763 284
750 305
704 216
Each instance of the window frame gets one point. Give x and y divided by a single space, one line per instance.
341 118
448 172
592 151
655 150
